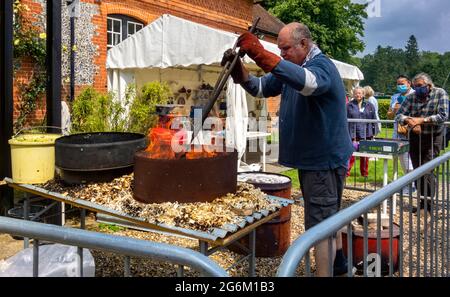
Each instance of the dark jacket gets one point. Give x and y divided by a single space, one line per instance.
313 126
362 130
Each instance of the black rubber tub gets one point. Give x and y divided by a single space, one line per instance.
96 157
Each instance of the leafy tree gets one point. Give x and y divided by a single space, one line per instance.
412 55
382 68
336 25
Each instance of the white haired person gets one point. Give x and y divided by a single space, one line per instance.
358 108
425 112
369 95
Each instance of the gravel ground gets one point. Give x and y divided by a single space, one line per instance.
112 265
108 264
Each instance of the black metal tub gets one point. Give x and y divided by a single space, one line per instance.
96 157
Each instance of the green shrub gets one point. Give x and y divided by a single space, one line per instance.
93 111
142 111
383 107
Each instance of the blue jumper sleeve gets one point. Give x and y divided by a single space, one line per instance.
263 87
313 80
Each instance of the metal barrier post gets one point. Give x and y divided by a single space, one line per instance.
35 258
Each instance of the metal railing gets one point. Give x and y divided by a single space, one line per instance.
110 243
414 242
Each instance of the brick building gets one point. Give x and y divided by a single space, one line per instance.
104 23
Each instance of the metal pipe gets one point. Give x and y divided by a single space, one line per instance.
7 99
72 58
410 221
80 250
419 189
126 266
252 259
203 247
35 258
400 256
436 223
82 218
379 230
26 211
330 255
308 264
111 243
432 227
425 229
436 206
365 243
349 250
391 235
54 63
444 213
448 218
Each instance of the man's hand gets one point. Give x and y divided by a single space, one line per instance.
417 129
250 45
239 72
413 122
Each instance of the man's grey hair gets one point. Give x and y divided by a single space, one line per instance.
426 78
299 32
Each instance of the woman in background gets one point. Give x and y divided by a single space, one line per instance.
370 98
359 108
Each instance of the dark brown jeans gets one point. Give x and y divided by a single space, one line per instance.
424 148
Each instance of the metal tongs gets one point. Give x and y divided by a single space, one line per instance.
223 78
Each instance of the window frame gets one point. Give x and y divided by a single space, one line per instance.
113 33
125 21
135 24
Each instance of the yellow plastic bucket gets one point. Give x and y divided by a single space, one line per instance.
33 158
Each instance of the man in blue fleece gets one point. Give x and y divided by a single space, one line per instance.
314 134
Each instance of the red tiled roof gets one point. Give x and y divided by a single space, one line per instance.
268 24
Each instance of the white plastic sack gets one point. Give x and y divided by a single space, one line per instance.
55 260
237 118
66 123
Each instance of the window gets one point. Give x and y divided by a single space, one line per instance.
120 27
133 28
114 30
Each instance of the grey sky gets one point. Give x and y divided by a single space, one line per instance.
428 20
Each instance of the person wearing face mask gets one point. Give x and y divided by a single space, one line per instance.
404 89
313 127
359 108
425 112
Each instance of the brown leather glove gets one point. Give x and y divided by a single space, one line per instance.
250 45
239 72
